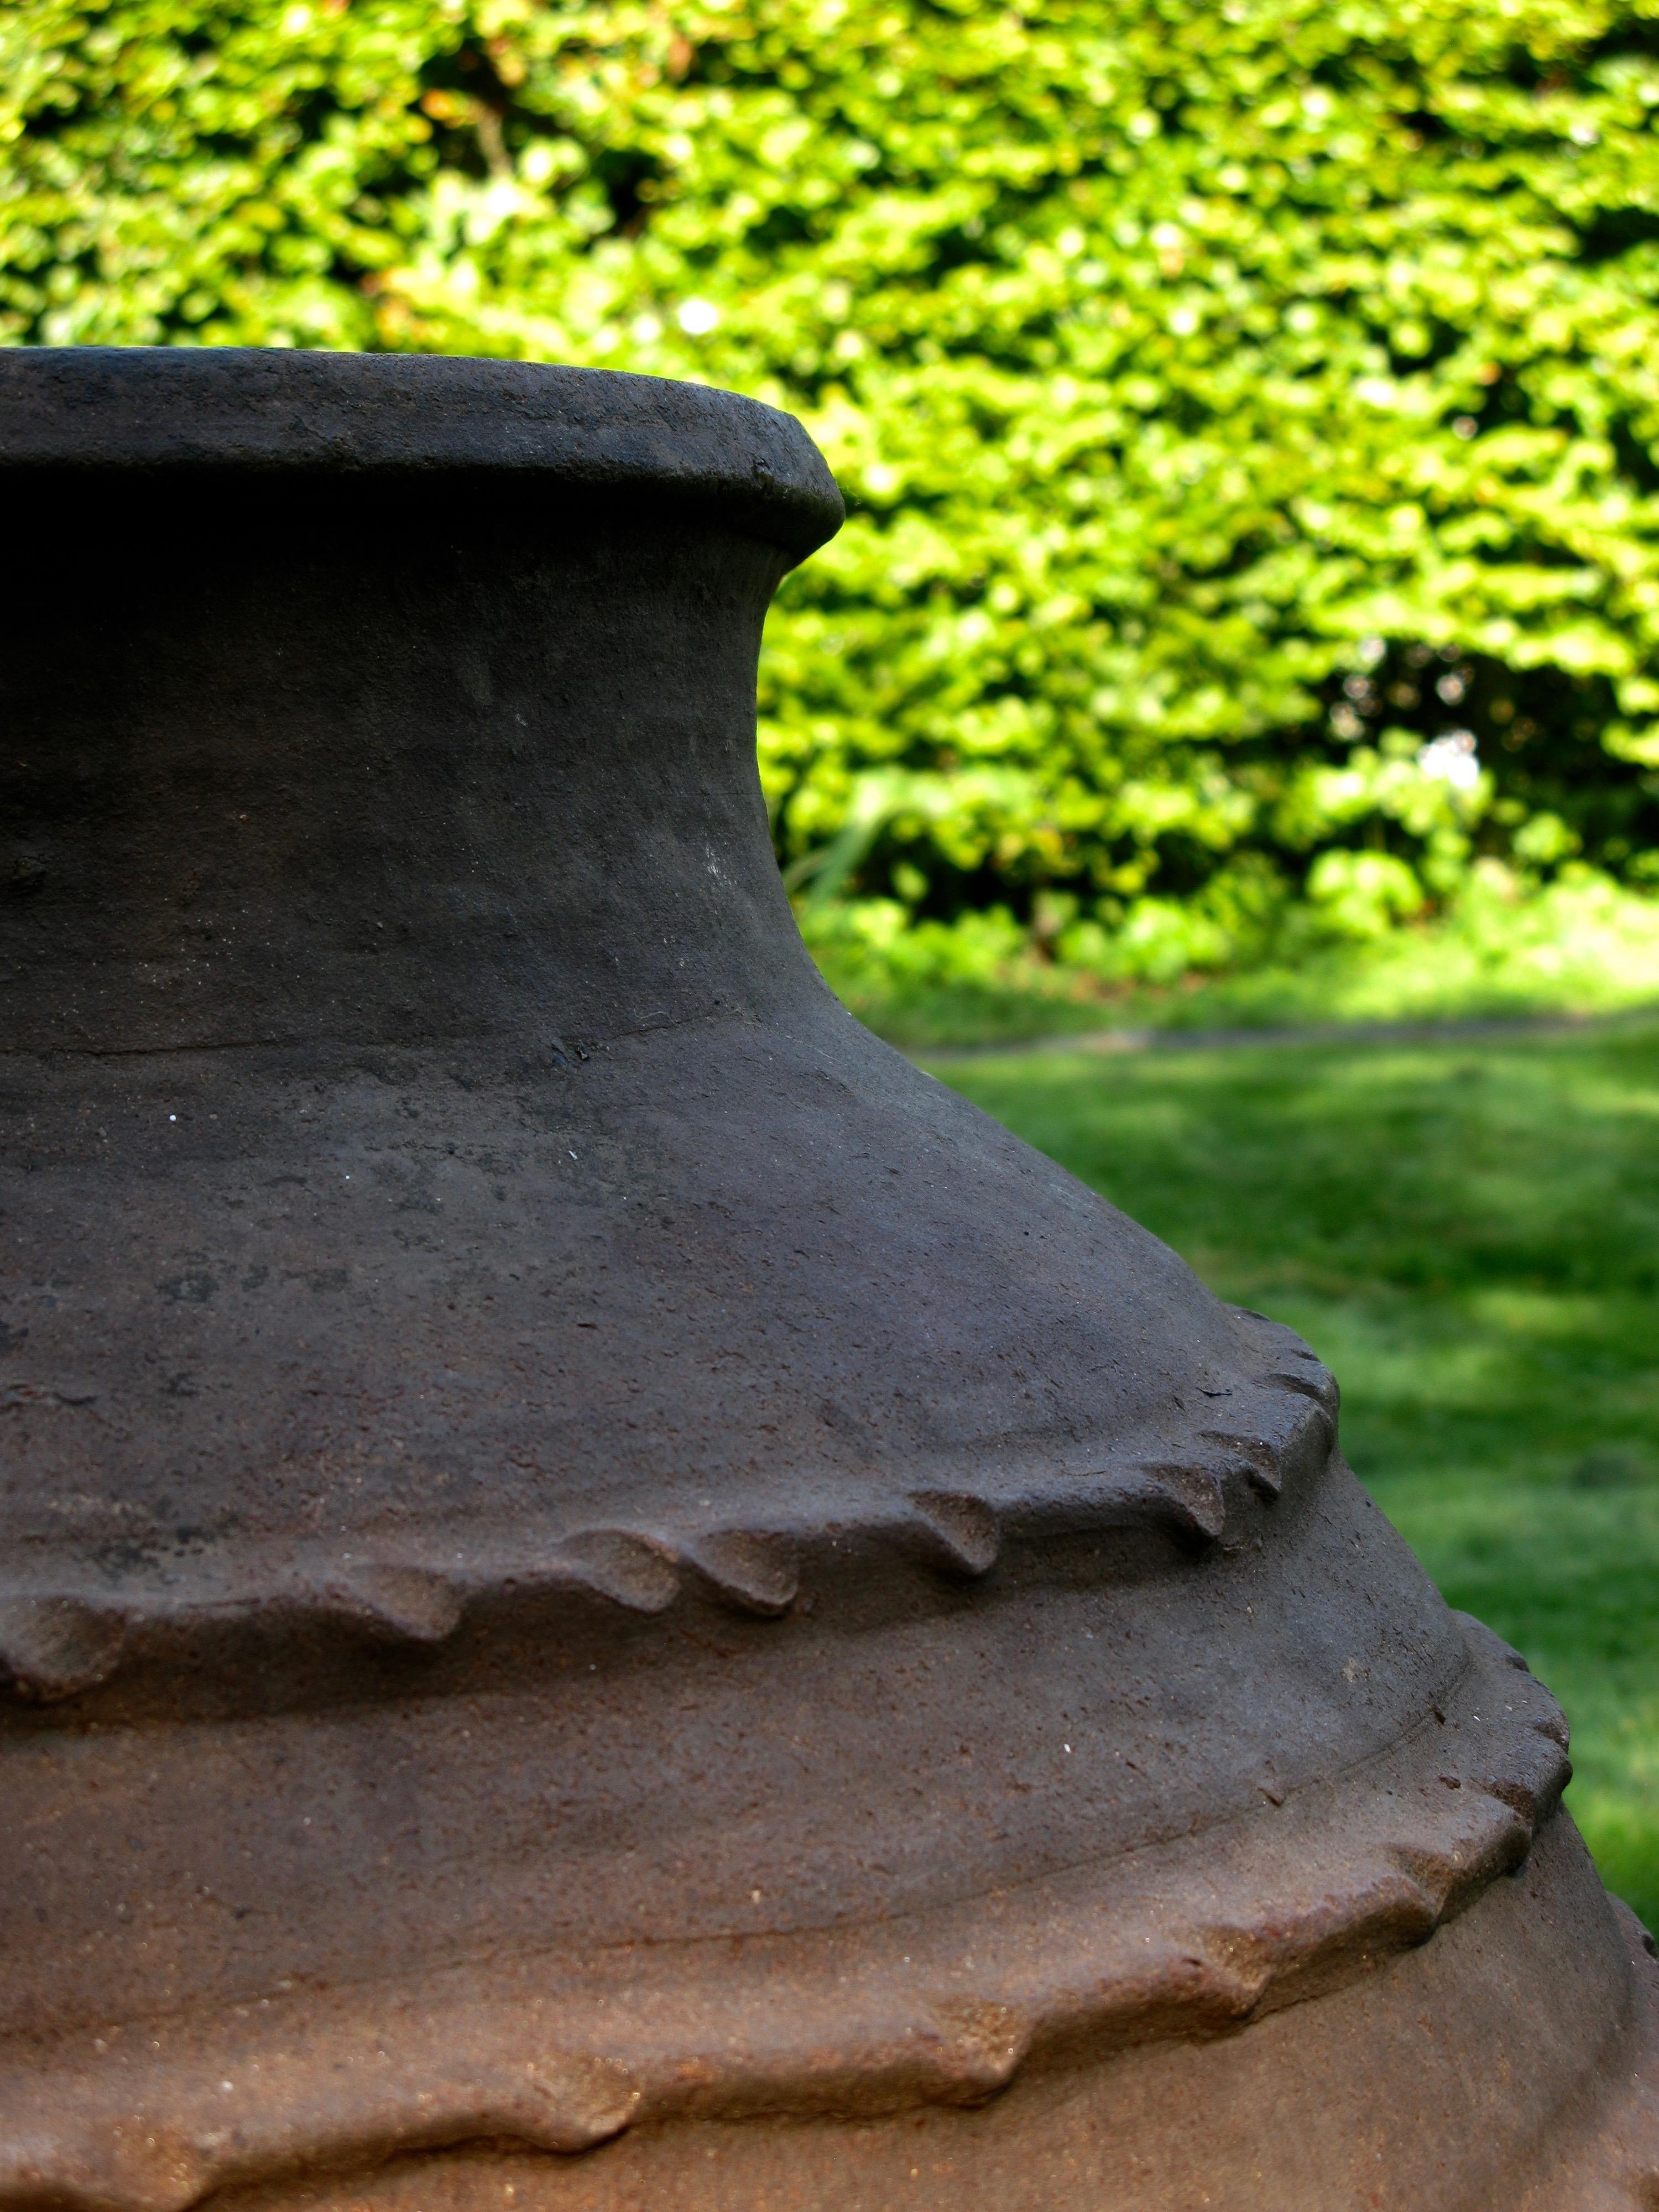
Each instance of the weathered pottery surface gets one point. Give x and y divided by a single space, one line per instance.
610 1598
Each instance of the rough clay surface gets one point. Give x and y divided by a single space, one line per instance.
608 1596
113 411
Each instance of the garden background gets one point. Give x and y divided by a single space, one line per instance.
1249 413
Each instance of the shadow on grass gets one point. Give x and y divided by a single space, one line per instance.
1469 1233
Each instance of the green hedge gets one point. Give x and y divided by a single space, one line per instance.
1248 412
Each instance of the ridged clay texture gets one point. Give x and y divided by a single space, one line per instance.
608 1596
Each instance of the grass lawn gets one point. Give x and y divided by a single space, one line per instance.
1467 1231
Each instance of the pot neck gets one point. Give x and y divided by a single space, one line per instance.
381 767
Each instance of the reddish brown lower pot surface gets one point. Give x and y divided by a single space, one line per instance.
608 1597
1497 2066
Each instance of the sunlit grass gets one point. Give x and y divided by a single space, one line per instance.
1469 1233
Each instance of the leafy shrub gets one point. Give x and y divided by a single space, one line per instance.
1249 413
1579 944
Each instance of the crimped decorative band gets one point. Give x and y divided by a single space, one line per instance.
560 2052
64 1632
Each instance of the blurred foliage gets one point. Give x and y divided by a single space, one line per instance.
1249 413
1579 944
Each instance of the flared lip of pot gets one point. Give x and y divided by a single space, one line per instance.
120 412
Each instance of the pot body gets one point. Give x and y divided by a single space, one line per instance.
609 1596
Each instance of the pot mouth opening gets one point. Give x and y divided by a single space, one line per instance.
123 412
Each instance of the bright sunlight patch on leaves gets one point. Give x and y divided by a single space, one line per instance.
1248 414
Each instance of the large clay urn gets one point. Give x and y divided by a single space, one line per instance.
610 1600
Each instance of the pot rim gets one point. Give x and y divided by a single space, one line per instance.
125 412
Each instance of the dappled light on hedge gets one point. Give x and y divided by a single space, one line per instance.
1248 415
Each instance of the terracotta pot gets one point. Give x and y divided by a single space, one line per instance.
609 1597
